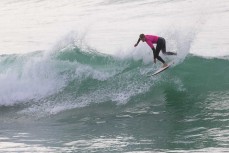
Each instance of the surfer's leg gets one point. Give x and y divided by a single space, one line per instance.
163 45
170 53
160 59
164 48
158 48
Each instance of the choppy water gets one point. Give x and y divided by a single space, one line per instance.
86 89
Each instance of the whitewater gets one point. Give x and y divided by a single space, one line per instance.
72 81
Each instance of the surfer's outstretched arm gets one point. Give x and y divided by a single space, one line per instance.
154 55
137 42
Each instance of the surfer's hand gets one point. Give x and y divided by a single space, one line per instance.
135 45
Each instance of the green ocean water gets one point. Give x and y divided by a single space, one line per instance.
84 101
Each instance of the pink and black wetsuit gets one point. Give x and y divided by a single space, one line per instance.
150 40
161 45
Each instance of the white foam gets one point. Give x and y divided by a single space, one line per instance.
33 79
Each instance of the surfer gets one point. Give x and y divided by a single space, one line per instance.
161 45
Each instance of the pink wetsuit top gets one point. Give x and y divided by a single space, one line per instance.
151 39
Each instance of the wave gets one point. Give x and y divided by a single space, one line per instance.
70 78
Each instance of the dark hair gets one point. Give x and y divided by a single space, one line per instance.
141 36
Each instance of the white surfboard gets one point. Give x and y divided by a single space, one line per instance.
161 70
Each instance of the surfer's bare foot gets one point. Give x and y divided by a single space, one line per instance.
164 65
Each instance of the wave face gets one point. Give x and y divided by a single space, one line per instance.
69 78
72 78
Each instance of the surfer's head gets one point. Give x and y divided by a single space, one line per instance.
142 37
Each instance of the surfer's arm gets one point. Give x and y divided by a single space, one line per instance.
154 52
137 42
154 55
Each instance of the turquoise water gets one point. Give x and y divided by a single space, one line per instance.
88 94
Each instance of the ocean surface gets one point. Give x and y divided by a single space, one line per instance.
71 80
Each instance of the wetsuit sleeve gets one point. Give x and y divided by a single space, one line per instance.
138 40
154 53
